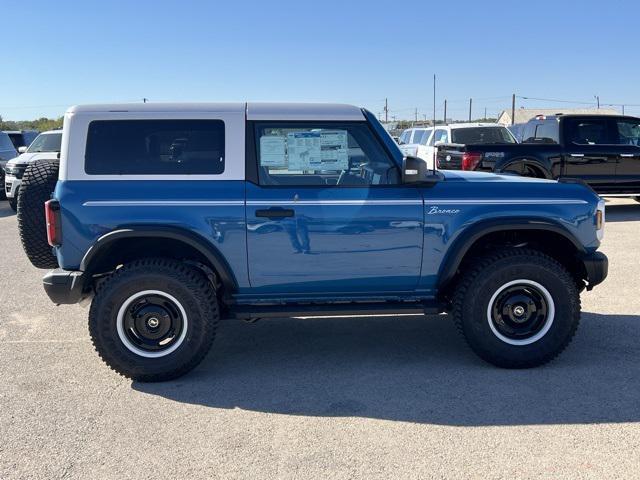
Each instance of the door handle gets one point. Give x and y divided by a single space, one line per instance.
275 212
577 155
627 155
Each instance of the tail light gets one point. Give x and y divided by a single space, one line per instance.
470 160
52 217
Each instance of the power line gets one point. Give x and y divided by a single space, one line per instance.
555 100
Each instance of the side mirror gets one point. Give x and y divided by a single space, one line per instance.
414 170
22 149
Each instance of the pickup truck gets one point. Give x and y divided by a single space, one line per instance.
167 218
422 142
601 150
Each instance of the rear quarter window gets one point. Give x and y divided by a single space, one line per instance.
155 147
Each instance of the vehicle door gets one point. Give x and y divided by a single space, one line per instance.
591 154
628 166
327 213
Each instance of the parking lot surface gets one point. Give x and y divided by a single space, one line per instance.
384 397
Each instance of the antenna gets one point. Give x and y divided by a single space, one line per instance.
434 123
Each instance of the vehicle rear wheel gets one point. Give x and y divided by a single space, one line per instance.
154 319
38 183
517 308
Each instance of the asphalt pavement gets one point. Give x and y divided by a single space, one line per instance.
372 398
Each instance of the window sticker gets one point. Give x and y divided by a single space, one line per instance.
304 152
334 150
273 151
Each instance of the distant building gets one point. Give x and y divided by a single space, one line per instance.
523 115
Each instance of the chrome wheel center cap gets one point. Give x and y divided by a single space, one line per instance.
518 311
153 322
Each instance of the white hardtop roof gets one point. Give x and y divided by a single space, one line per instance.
48 132
254 111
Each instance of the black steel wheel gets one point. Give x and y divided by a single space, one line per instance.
521 312
152 323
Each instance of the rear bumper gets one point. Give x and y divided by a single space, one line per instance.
596 265
64 286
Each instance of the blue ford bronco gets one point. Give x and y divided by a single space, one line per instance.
170 217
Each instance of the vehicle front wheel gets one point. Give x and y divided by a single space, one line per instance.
154 319
517 308
13 203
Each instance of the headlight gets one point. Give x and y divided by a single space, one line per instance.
11 169
600 220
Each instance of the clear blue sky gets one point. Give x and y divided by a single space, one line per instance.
59 53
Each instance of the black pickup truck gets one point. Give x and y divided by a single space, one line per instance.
602 150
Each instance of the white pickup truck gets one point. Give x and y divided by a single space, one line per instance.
421 142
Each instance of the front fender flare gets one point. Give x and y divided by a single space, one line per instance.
471 234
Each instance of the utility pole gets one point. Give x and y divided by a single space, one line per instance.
622 109
434 100
386 111
470 104
144 100
445 112
597 97
513 109
485 113
416 115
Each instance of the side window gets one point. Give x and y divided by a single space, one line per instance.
420 136
588 132
440 135
155 147
628 132
322 154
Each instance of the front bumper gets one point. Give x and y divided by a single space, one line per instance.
64 286
596 265
11 185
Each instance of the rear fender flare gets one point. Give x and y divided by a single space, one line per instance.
194 240
528 161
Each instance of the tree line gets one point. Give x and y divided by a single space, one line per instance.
41 124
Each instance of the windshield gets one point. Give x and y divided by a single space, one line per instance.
49 142
481 135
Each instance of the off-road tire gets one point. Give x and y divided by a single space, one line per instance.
485 277
13 203
38 183
187 285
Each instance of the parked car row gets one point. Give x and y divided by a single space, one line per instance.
28 146
601 150
422 142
